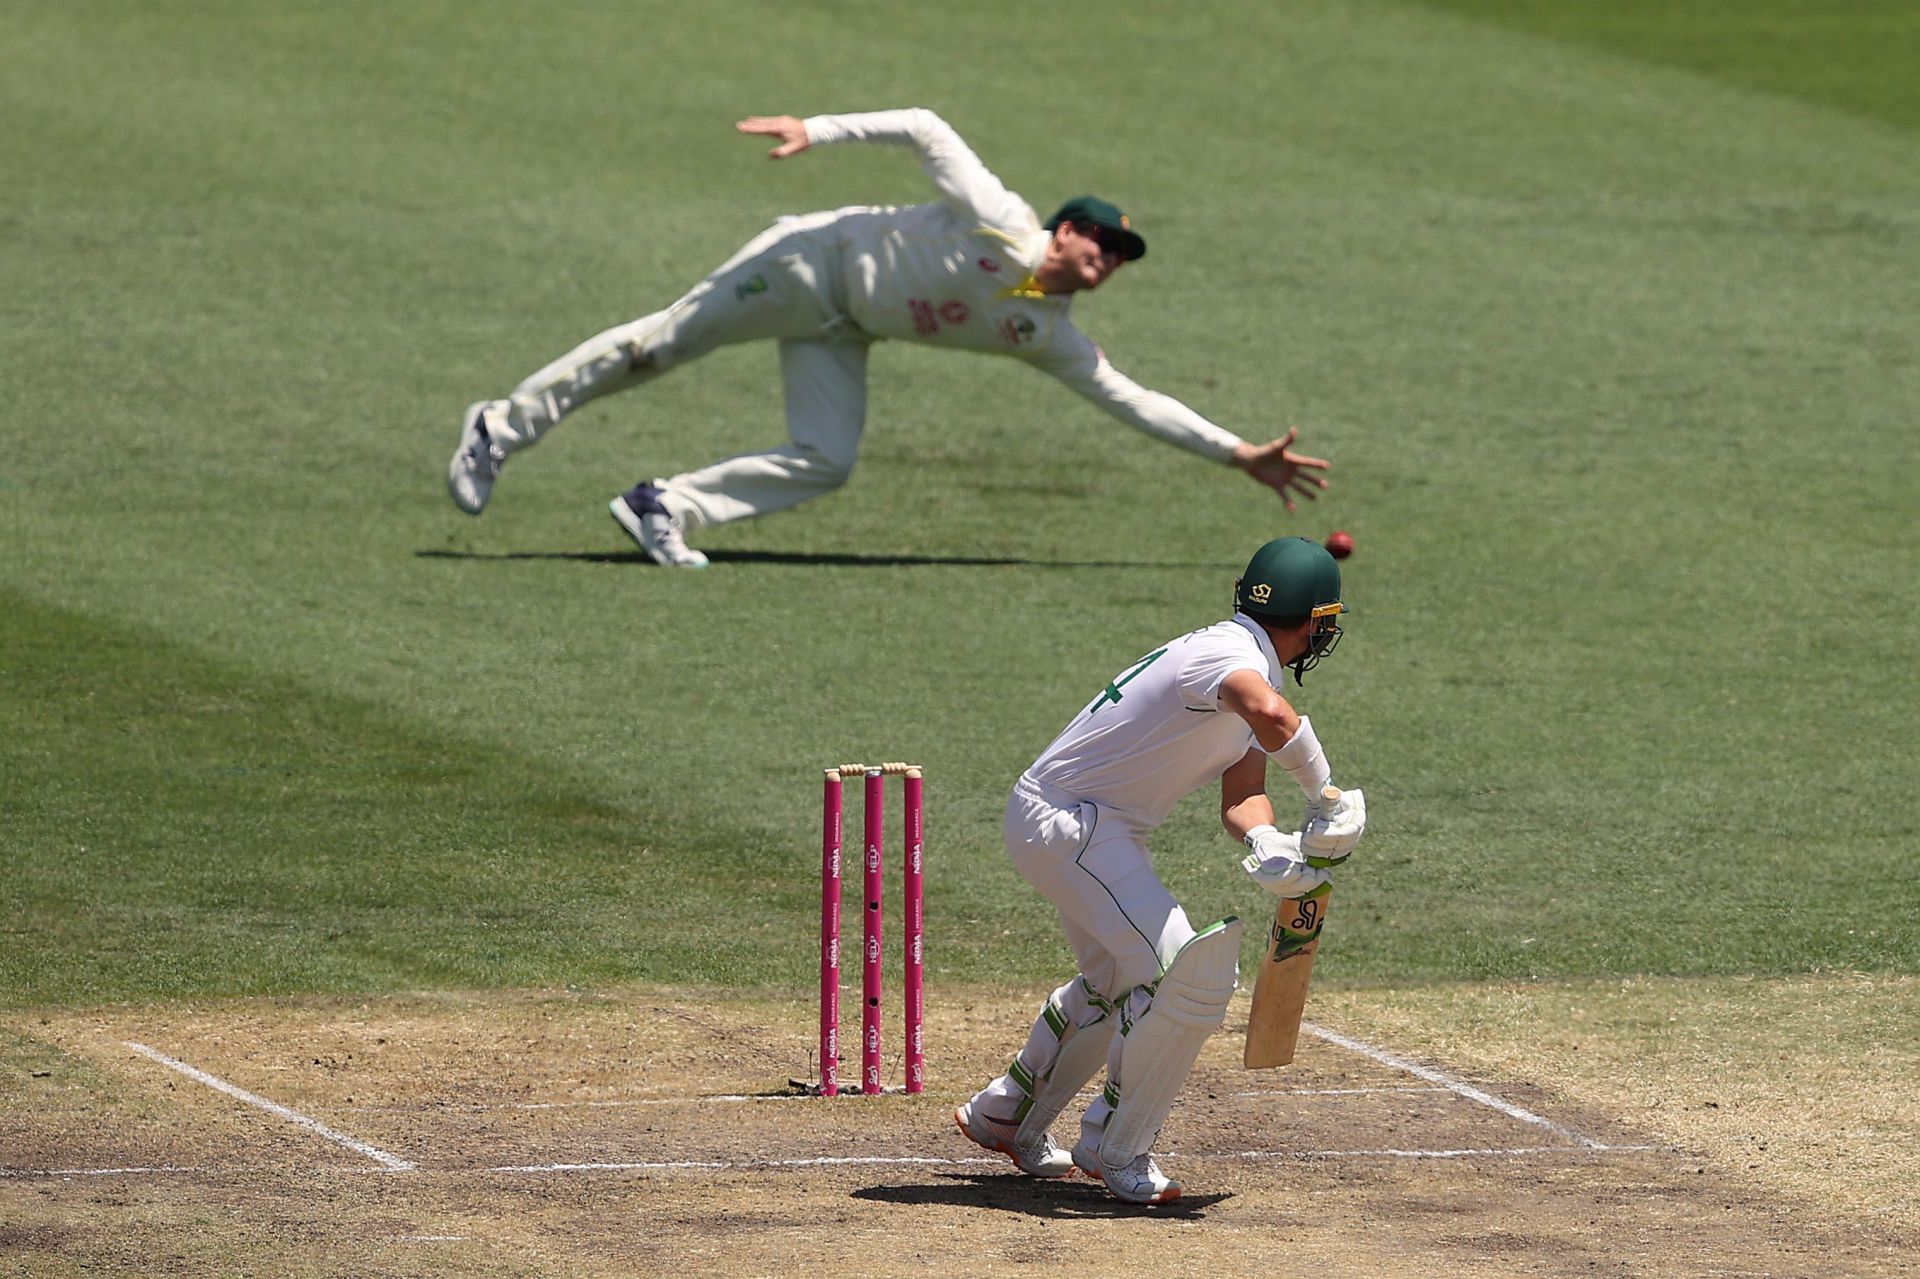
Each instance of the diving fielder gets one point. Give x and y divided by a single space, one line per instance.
975 270
1204 706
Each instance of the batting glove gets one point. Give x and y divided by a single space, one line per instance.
1277 864
1328 836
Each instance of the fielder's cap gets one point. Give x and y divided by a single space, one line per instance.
1091 210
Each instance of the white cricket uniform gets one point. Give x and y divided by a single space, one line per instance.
1077 822
1076 827
955 273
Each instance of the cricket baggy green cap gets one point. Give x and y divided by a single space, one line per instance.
1289 577
1092 210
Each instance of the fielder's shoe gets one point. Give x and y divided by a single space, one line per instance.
1040 1158
1140 1182
477 462
646 521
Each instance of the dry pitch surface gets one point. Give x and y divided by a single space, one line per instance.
619 1134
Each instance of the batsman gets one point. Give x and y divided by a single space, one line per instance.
1150 987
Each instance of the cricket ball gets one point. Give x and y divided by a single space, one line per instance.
1340 545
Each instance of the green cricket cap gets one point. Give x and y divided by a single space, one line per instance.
1091 210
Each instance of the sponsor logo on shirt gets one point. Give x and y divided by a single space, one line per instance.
928 316
988 264
1016 329
752 284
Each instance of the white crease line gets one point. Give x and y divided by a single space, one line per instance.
649 1101
429 1107
1337 1092
90 1172
831 1161
723 1165
1276 1155
747 1098
1409 1154
1468 1091
395 1162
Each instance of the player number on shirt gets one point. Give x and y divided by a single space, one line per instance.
1111 693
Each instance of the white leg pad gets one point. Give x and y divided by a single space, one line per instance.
1065 1048
1082 1052
1161 1044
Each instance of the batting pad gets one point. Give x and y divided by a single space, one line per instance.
1083 1051
1160 1046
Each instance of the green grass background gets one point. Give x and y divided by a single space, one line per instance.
1605 313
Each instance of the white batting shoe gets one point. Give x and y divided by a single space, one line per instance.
477 462
639 512
1040 1158
1140 1182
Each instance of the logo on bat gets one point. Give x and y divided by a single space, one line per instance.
1290 936
1307 917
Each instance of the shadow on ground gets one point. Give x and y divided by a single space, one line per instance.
1067 1198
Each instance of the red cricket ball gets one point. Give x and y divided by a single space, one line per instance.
1340 545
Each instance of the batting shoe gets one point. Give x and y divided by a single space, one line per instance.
477 462
646 521
1040 1158
1140 1182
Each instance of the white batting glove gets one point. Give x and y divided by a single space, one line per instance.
1329 834
1277 864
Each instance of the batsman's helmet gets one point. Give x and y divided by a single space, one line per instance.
1290 580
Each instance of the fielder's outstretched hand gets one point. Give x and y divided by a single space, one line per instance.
1275 465
791 132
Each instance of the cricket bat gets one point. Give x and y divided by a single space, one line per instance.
1280 987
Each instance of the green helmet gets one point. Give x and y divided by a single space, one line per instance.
1290 579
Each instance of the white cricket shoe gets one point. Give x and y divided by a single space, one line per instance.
1140 1182
1039 1158
477 462
656 532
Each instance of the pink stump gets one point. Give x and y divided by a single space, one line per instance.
830 938
916 924
870 984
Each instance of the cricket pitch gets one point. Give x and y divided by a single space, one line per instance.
618 1132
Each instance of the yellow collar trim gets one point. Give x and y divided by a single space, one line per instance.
1027 288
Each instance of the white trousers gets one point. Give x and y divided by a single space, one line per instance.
1124 928
1123 924
784 285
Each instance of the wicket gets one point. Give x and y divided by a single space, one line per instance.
873 838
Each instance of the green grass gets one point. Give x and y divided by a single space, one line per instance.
1615 355
1856 55
200 826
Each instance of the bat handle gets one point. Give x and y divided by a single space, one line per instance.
1330 795
1328 800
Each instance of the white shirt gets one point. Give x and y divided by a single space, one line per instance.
1158 731
959 273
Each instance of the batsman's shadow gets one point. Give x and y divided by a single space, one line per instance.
1067 1199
